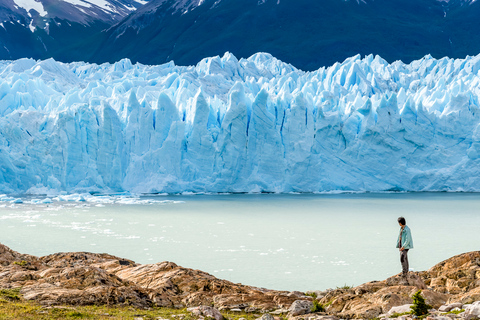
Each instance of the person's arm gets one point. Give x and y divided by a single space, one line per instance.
408 238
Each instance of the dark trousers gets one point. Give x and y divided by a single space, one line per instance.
404 261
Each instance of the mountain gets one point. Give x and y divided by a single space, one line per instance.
49 28
308 34
248 125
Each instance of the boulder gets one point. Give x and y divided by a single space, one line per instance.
413 280
468 297
400 309
266 316
445 308
206 311
472 311
300 307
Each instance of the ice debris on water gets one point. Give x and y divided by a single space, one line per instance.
97 200
249 125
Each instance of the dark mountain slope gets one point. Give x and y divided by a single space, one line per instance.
49 28
306 33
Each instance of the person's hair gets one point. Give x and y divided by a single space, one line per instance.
402 221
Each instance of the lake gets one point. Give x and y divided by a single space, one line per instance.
291 241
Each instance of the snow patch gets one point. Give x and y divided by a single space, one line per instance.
79 3
31 27
32 5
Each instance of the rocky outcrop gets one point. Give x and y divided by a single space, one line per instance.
372 299
8 256
455 280
81 278
458 276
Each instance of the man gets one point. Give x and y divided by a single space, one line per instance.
404 243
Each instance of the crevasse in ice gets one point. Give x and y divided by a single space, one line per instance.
249 125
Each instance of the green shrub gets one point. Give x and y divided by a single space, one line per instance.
345 287
455 311
317 307
75 314
312 294
11 294
21 263
396 314
419 307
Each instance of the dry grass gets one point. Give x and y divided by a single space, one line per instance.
12 306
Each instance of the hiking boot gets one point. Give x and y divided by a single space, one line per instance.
404 280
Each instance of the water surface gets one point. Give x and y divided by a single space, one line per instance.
293 242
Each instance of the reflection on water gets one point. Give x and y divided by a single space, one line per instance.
293 242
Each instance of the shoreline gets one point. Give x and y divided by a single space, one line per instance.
82 278
188 193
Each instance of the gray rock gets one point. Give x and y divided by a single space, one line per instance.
400 309
279 311
295 294
267 316
457 305
300 307
472 310
206 311
445 308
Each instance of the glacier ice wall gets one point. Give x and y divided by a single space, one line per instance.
250 125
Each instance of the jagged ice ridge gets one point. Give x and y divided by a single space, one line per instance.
249 125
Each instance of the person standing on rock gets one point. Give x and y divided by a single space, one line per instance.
404 243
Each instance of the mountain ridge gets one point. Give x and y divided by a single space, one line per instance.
306 34
48 28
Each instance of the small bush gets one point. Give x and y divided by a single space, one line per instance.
396 314
345 287
21 263
10 294
75 314
419 308
455 311
312 294
317 307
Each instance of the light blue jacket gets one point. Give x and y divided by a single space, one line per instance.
407 242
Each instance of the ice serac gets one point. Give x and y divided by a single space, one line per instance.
249 125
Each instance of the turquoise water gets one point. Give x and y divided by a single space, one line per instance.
293 242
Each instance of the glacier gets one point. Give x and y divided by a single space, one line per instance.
248 125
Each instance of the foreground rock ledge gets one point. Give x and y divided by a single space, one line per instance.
82 278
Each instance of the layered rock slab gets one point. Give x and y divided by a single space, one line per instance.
82 278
